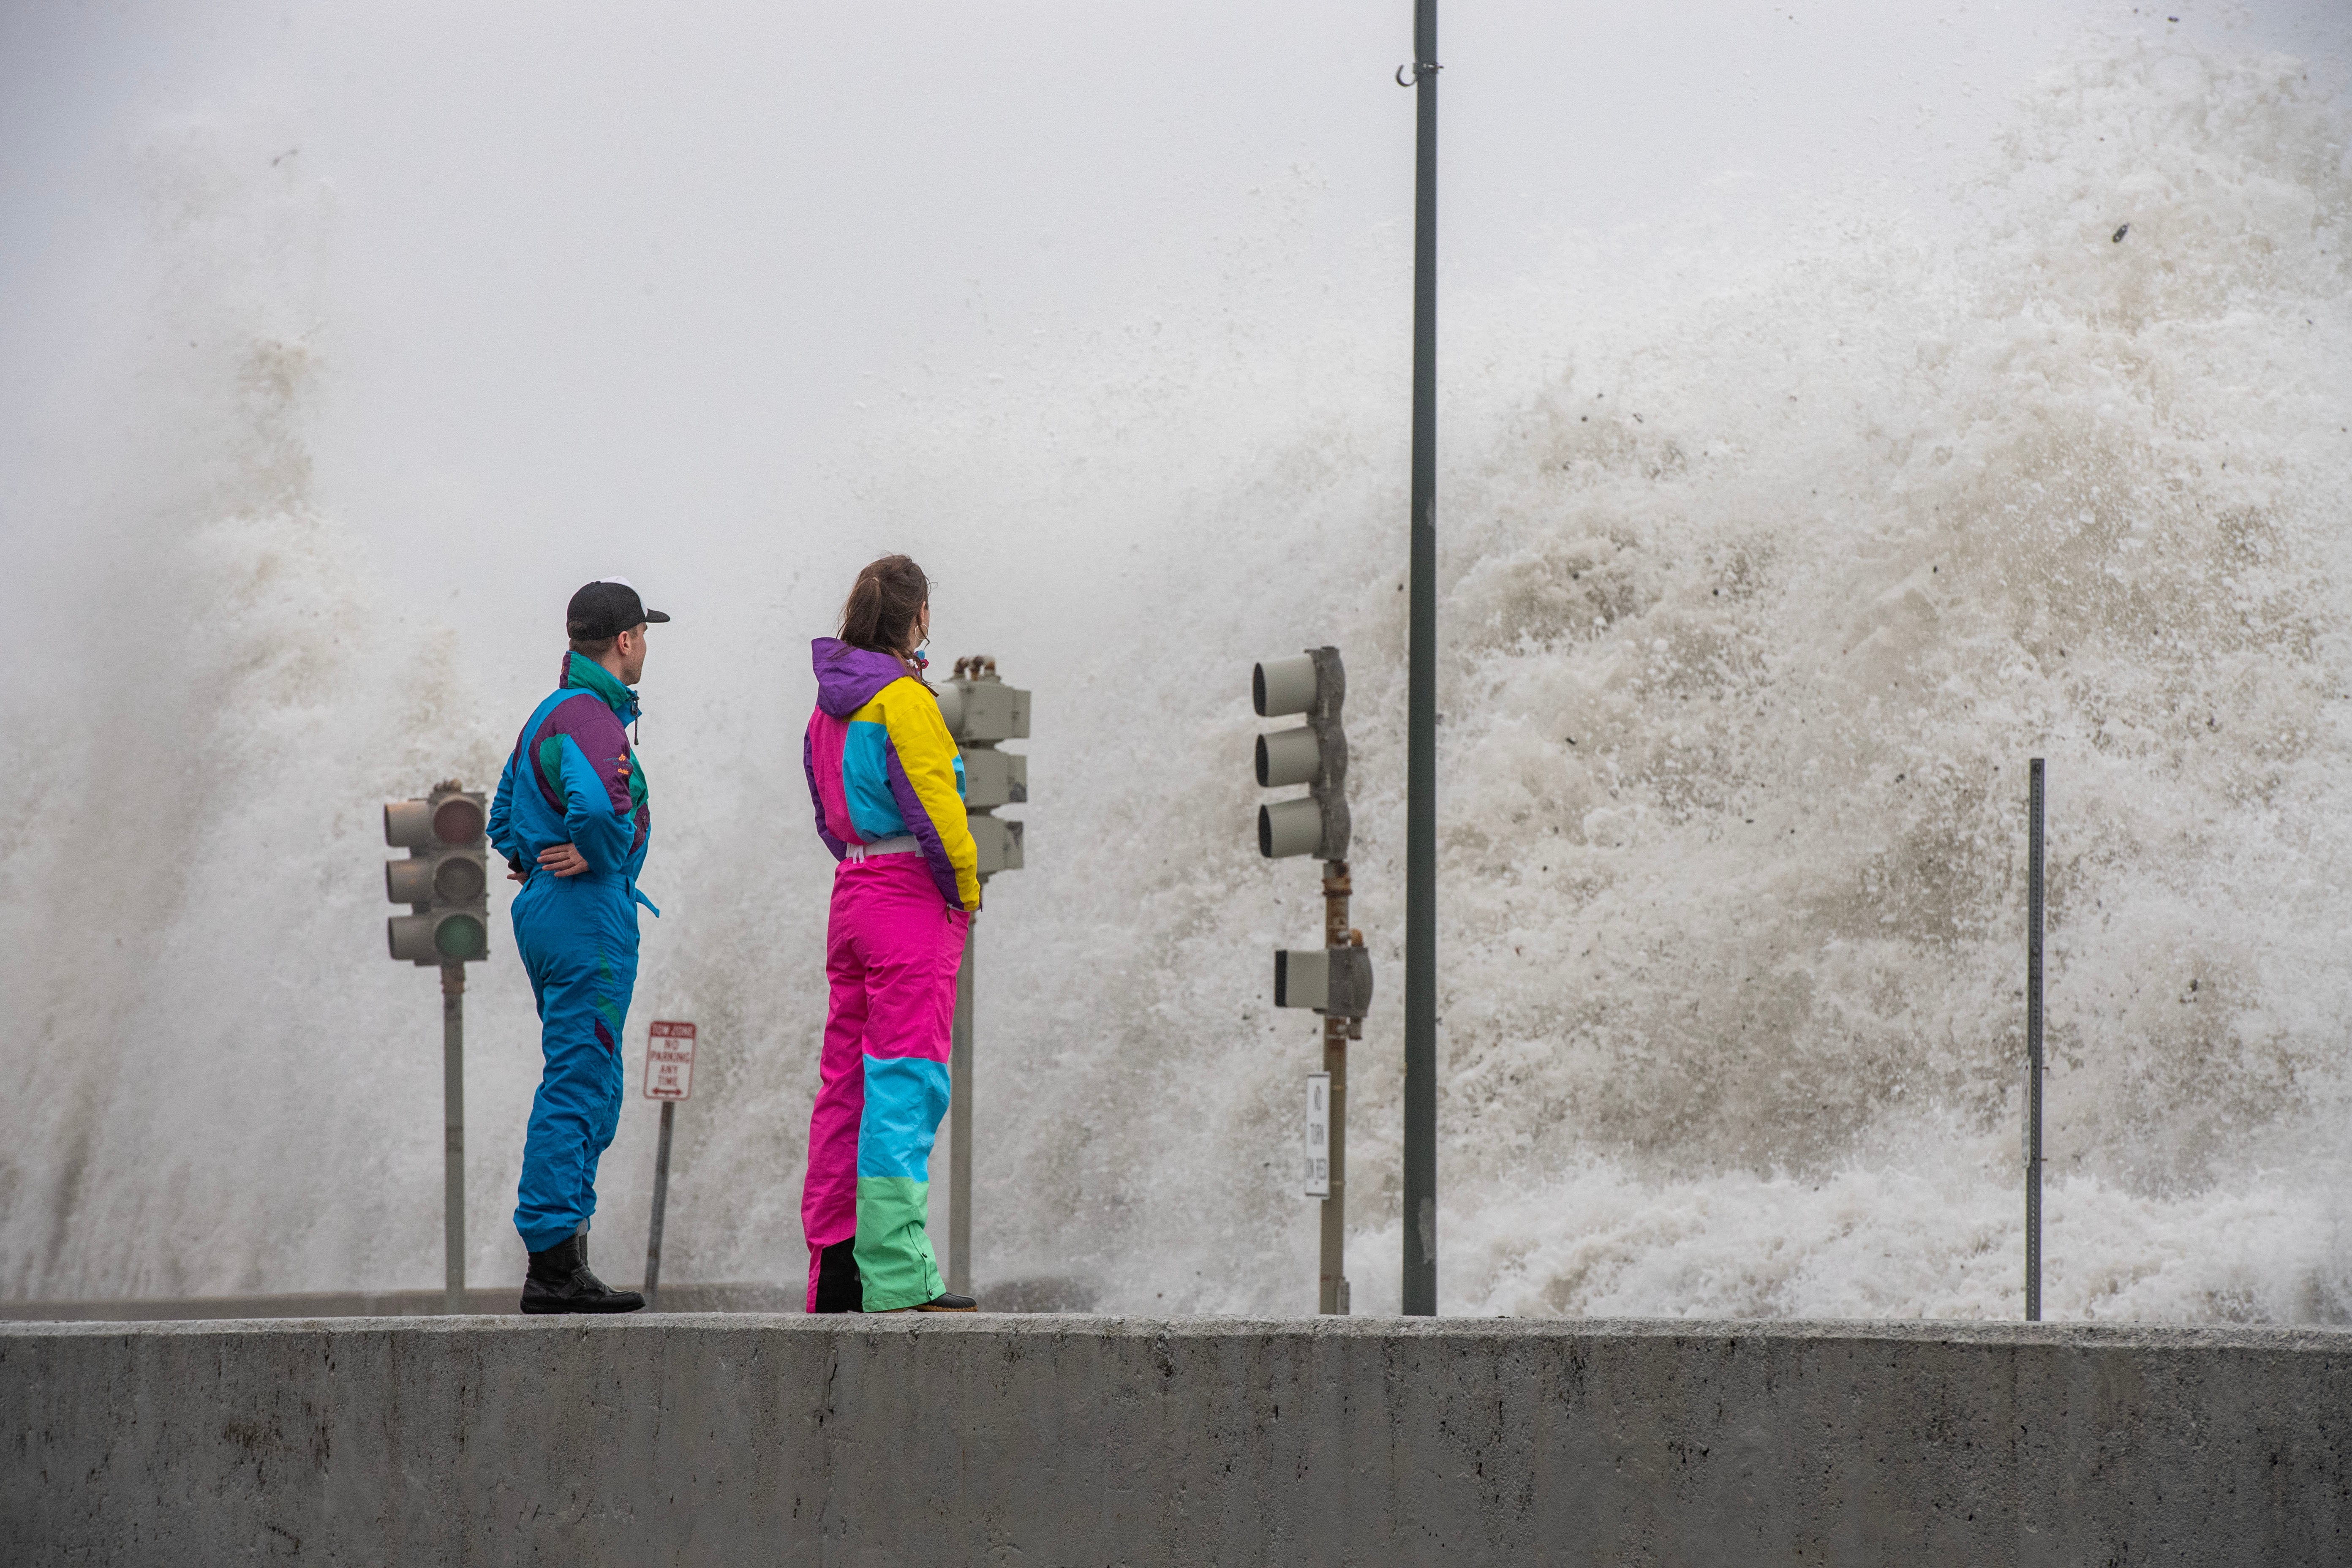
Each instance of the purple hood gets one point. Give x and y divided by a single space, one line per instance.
847 678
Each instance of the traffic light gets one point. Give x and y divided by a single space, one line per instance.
1336 979
1315 754
445 879
980 711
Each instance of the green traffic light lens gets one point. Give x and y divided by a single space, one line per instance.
459 937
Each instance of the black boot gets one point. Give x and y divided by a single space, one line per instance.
945 1303
558 1281
838 1288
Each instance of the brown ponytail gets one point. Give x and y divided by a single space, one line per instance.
881 611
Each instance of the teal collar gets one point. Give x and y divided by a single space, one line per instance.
585 674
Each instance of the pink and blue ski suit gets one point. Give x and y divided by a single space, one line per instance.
887 785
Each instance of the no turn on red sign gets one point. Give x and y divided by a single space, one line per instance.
669 1061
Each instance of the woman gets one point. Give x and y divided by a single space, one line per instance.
887 786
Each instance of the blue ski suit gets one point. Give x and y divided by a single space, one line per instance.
571 779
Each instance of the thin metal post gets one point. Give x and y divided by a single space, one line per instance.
661 1206
453 1136
1331 1284
959 1129
1420 1295
2034 889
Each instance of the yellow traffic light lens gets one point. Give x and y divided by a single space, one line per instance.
459 937
458 880
457 821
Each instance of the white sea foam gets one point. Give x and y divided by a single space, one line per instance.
1767 567
1753 617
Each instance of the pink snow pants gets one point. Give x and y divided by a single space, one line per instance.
892 950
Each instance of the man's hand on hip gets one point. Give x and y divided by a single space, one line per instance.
563 860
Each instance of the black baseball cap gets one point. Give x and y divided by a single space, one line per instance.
606 608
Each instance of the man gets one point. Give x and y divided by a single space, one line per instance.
572 820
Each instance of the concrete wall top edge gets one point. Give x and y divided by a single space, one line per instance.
1063 1327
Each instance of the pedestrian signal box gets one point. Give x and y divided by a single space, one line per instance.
445 882
1334 980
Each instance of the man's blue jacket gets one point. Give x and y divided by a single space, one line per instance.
571 779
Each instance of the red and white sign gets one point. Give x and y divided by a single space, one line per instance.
669 1061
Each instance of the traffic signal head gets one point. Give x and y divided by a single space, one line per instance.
980 708
1280 685
1315 754
444 879
997 840
980 711
992 778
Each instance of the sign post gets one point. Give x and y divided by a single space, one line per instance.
670 1077
2035 807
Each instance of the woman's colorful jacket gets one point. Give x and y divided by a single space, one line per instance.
881 765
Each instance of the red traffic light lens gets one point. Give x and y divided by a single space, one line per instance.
457 821
458 938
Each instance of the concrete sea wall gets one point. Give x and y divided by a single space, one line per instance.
1049 1440
500 1301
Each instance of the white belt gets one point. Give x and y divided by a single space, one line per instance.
904 844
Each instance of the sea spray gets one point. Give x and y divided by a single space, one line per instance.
1768 565
1753 617
204 1060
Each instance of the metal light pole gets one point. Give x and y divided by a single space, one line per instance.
959 1129
671 1045
1420 1294
2033 866
453 1136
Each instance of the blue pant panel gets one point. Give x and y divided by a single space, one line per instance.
578 941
